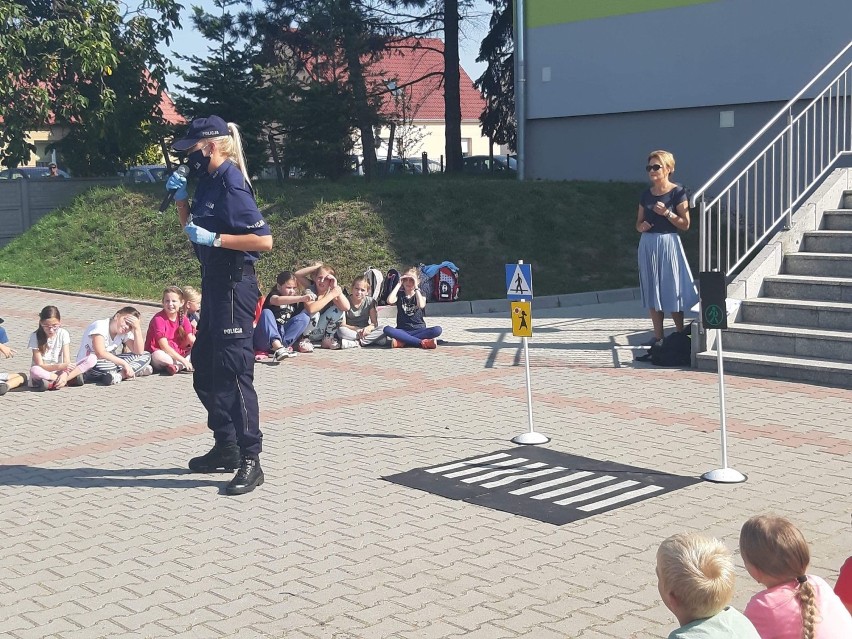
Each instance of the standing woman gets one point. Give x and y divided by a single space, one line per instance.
228 233
664 276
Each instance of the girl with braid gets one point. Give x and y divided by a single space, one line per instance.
795 605
170 335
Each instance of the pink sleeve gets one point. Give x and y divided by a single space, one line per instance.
156 330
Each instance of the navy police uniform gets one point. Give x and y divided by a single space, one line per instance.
223 356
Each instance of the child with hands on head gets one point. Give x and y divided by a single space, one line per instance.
795 605
51 347
695 577
283 319
361 323
326 309
411 329
118 344
170 336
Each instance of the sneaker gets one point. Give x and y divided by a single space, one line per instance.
395 343
282 353
110 379
225 458
76 381
171 369
428 343
331 343
248 477
145 371
305 346
4 388
348 343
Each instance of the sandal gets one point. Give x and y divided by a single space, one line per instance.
54 384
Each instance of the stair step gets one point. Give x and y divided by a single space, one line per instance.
789 341
808 287
801 369
846 200
827 242
832 316
837 220
820 264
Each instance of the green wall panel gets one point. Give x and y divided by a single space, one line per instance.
542 13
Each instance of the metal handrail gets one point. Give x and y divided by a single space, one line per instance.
753 203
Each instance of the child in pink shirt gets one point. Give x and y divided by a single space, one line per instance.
794 605
170 335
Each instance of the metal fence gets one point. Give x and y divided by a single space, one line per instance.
762 196
24 202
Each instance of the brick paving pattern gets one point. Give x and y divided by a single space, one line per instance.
106 534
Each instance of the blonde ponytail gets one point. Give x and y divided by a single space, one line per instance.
232 148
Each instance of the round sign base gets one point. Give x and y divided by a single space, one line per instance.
530 438
724 476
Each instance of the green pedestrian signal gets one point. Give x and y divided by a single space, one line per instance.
713 316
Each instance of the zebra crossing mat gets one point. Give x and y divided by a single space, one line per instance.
542 484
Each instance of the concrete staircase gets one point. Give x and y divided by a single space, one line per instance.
800 328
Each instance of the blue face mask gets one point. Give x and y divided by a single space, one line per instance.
197 161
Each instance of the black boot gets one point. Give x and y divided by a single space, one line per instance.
223 457
248 477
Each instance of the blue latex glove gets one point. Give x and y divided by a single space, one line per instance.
177 183
199 235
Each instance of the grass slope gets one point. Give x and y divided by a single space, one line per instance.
578 236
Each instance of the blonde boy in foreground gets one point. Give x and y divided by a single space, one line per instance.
696 581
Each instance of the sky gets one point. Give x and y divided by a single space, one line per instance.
189 42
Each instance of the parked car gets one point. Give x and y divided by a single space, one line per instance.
398 166
481 164
29 173
146 174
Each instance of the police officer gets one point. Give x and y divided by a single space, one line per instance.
228 232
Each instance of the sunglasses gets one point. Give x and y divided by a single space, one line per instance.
653 167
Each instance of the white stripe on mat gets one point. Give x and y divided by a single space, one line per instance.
462 464
575 487
548 484
619 498
498 473
595 493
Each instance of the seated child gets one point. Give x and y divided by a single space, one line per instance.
170 336
283 319
51 347
795 605
192 306
8 381
695 577
118 344
326 308
361 322
411 329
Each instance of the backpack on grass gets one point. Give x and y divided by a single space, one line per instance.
375 279
445 285
390 281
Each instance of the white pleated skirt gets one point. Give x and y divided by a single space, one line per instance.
664 276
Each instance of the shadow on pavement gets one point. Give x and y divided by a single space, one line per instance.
20 475
393 436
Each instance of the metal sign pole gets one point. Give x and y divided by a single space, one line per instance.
723 475
531 437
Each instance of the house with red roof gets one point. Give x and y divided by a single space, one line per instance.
409 76
43 138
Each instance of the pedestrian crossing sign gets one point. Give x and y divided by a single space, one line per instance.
521 319
519 281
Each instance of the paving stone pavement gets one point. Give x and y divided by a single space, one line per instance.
106 534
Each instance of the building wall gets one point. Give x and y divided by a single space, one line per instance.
609 80
615 146
433 141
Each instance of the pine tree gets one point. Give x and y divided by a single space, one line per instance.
226 83
497 82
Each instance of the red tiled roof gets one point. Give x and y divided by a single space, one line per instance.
412 59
